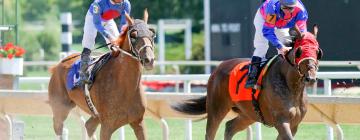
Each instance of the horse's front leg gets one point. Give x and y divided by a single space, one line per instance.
284 131
138 127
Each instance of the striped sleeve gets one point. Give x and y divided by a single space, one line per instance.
95 10
269 25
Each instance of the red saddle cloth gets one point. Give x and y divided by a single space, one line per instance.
237 80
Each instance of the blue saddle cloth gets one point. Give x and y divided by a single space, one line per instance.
73 75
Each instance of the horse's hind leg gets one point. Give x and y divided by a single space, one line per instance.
60 113
60 104
235 125
213 123
91 125
138 127
216 113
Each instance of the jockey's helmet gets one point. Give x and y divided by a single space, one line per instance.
288 3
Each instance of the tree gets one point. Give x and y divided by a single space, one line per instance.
161 9
37 9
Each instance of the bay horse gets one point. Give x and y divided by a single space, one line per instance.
117 93
282 101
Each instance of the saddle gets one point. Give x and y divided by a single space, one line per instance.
96 64
238 77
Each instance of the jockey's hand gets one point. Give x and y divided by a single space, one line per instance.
302 35
115 42
283 50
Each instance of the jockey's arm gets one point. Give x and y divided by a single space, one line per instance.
269 25
301 21
122 23
269 31
95 11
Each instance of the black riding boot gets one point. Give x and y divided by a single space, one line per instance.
84 63
254 69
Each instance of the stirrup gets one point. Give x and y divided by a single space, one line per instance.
247 85
250 82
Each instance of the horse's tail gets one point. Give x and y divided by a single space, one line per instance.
192 107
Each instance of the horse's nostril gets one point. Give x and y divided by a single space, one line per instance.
147 60
311 80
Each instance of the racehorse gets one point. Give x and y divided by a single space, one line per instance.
281 101
117 93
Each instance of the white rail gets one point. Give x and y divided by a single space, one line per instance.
192 77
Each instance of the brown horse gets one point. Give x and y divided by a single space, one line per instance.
282 100
117 93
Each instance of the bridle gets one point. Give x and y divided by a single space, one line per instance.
134 52
297 65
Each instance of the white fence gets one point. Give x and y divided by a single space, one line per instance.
316 110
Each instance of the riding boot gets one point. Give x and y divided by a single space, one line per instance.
254 69
84 64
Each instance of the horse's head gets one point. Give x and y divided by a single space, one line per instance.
305 55
139 40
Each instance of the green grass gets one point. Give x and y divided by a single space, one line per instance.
40 128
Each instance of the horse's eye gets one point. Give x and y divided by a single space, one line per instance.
153 32
134 34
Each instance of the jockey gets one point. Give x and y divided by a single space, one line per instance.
272 23
100 18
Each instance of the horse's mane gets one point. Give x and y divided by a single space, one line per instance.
122 38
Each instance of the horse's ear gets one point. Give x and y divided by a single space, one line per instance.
316 30
319 54
290 56
146 15
129 19
298 32
298 52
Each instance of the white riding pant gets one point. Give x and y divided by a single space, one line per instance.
90 31
261 44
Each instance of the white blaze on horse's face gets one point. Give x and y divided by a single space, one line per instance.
309 68
147 55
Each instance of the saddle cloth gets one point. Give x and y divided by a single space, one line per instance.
238 78
96 64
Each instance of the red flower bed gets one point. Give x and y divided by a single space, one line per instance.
10 51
